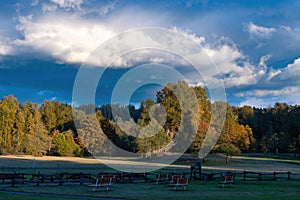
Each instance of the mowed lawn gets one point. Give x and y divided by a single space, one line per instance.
252 189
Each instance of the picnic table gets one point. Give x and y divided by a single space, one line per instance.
179 182
105 181
228 180
162 178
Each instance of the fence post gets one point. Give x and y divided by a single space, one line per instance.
259 176
244 175
13 179
274 176
289 176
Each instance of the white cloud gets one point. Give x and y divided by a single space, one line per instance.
278 85
259 31
191 3
72 40
45 92
291 33
70 37
262 102
49 7
35 3
234 66
291 72
272 73
257 102
188 33
285 28
5 47
68 4
105 9
67 40
289 90
263 60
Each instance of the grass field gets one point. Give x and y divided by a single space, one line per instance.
265 189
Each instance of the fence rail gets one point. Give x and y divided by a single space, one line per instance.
249 175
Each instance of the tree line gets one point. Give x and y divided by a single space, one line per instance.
276 129
49 128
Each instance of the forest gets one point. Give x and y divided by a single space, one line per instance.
49 128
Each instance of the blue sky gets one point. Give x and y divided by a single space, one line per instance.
255 45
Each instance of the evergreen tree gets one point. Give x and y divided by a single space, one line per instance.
19 133
91 135
64 144
37 142
9 107
57 116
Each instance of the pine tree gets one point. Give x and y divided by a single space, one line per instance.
8 112
37 139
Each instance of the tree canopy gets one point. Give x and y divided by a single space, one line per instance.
49 128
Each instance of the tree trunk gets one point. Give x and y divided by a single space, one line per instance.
227 159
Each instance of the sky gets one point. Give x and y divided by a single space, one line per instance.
254 44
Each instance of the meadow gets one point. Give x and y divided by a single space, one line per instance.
197 189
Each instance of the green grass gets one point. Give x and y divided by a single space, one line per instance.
41 197
197 190
24 197
271 157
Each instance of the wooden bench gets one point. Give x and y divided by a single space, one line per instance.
228 180
117 175
180 182
161 178
174 178
103 181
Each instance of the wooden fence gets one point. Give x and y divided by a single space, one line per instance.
12 175
248 175
254 176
